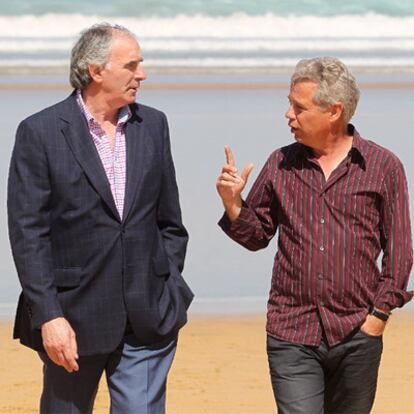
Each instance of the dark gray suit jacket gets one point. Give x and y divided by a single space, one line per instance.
74 256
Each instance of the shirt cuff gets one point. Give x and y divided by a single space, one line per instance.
392 298
238 225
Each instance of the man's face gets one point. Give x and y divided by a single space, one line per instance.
121 76
308 122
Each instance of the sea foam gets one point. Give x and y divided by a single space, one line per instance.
227 41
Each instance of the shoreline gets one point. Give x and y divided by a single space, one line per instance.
218 308
220 368
213 86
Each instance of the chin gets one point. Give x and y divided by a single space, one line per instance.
129 100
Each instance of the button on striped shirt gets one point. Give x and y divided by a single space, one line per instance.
113 160
325 275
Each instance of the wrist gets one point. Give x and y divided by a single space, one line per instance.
51 321
380 314
233 210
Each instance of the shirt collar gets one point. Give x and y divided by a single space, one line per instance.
124 113
358 143
357 151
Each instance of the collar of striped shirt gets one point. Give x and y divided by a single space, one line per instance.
357 153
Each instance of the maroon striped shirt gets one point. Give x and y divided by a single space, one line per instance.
325 275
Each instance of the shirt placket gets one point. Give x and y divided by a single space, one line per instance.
322 276
321 246
318 275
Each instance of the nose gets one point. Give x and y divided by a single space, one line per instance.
140 73
290 114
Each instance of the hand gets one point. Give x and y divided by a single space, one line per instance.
230 185
373 326
59 341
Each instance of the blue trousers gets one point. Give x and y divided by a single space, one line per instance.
318 380
136 377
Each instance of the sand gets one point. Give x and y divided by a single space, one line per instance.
220 368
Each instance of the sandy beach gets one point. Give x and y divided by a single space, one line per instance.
220 368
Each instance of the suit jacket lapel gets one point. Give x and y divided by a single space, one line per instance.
78 137
136 150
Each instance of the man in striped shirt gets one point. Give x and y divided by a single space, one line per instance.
338 201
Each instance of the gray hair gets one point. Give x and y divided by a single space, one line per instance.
335 83
92 47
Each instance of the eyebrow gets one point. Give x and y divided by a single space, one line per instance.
134 61
296 102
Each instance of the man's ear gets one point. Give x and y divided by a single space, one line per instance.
95 72
336 111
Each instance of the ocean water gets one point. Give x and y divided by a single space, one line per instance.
218 35
216 41
168 8
224 276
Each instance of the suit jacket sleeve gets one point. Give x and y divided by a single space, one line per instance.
174 235
29 194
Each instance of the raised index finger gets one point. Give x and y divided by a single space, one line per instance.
229 155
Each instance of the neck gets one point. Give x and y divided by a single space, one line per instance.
99 107
336 143
335 147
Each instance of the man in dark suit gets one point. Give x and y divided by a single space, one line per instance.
96 234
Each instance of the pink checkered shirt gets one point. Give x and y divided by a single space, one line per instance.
114 161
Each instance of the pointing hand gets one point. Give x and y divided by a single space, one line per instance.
230 184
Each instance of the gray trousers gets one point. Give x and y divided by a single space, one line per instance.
318 380
136 377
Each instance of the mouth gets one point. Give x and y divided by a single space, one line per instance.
134 88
